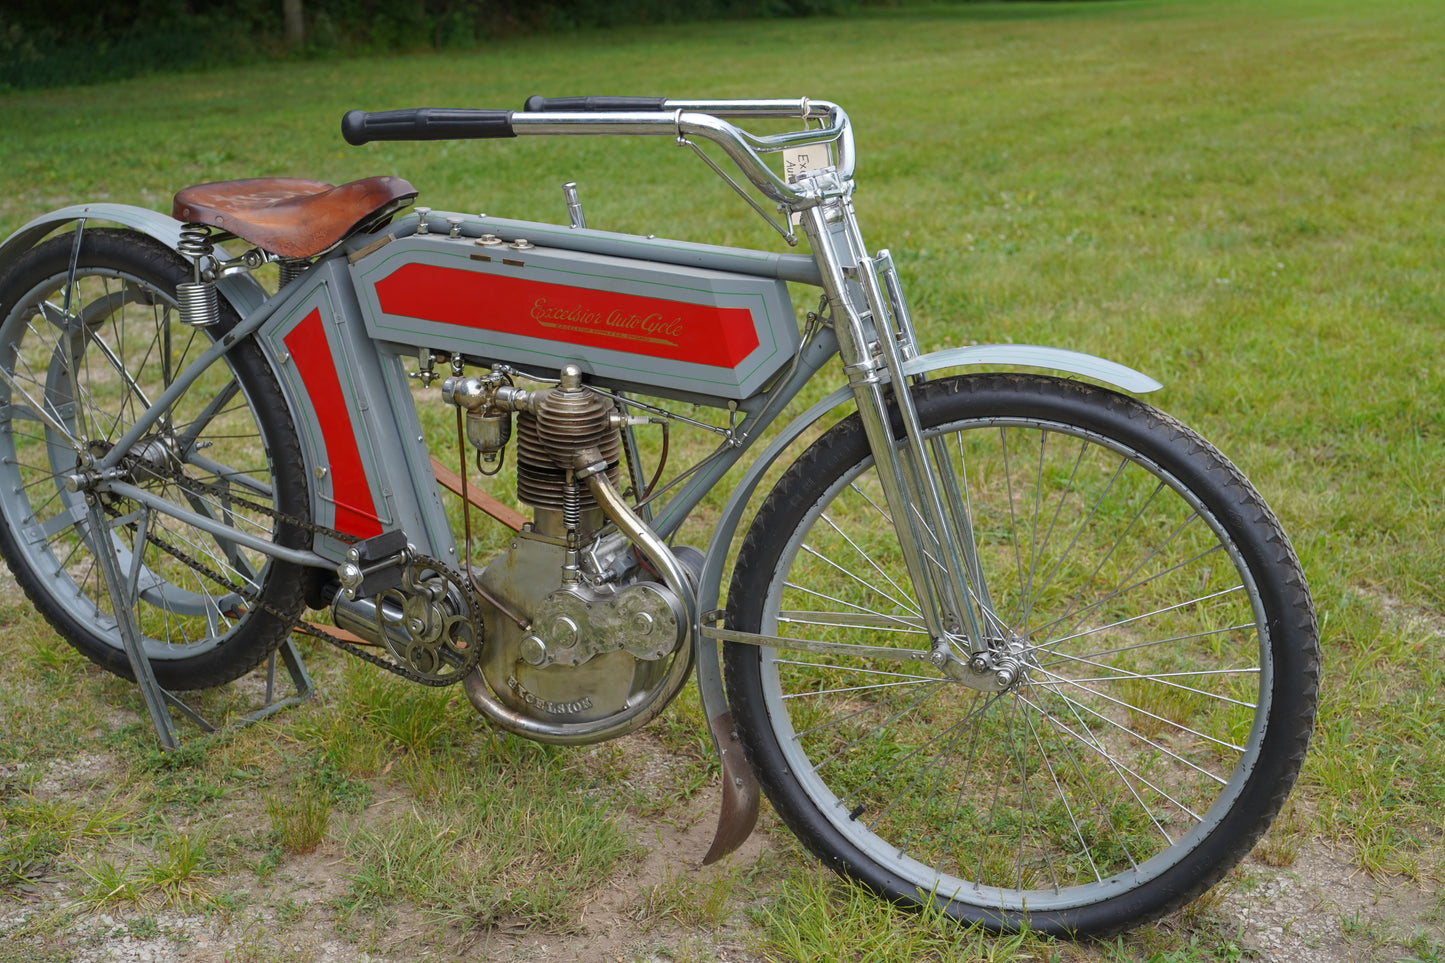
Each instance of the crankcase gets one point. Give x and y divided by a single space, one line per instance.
586 652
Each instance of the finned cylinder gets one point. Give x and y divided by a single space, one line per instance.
563 420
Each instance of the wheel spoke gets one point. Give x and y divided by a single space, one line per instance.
1139 699
896 592
853 576
1058 683
1091 740
39 412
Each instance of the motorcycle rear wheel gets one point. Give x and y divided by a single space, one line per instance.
80 363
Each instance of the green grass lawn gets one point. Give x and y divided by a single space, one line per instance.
1244 199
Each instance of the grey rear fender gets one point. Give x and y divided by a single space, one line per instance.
241 290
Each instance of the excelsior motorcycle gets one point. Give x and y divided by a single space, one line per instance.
1014 644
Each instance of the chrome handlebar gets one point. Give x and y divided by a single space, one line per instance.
683 119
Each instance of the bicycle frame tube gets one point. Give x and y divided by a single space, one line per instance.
762 410
147 419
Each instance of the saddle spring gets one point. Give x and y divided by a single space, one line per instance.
196 298
291 269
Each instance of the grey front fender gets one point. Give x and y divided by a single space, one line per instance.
241 290
734 822
1035 356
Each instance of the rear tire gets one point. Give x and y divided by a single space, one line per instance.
1168 650
77 382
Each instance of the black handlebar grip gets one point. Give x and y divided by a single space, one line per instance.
592 105
425 123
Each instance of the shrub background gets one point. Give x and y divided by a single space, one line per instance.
51 44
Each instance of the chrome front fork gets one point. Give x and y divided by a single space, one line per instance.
918 475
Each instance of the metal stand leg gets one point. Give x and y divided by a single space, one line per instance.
156 697
122 605
300 680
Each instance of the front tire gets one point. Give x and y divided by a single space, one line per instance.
1168 651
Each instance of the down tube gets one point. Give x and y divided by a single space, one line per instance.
762 409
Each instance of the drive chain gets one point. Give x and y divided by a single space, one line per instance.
294 621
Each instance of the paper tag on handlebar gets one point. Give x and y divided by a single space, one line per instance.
797 160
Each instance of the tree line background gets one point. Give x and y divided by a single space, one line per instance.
46 43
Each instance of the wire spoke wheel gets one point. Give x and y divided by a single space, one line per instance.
84 354
1162 654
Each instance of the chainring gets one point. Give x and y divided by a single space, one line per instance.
429 623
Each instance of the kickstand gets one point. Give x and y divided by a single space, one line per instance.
300 680
156 697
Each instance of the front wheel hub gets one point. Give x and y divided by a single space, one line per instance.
1006 672
1002 667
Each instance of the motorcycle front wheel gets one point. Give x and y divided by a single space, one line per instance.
1164 642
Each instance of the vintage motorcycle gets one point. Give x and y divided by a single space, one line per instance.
1016 645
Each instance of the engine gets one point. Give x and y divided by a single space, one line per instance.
582 642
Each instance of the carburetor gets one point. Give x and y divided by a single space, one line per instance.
552 424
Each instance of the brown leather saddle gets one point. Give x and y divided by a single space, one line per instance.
290 216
